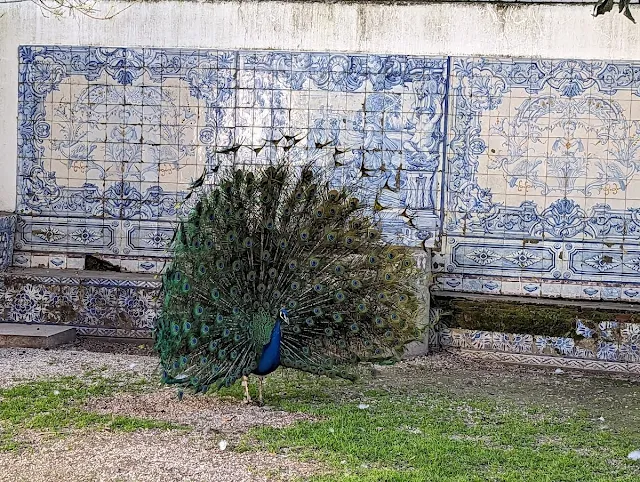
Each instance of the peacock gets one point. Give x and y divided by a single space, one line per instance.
276 266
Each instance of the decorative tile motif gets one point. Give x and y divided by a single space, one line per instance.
7 231
122 306
583 330
552 361
542 176
608 347
110 138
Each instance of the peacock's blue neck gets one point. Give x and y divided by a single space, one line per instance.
270 359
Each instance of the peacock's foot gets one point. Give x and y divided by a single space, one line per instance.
245 384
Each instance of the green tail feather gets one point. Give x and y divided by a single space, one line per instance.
275 238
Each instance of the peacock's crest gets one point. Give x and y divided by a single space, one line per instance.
281 246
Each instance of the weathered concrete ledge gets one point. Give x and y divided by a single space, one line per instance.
35 336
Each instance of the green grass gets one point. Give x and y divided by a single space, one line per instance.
409 430
55 406
430 435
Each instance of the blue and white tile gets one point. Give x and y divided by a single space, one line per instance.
553 196
198 98
630 333
608 351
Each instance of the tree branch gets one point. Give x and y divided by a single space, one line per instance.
69 8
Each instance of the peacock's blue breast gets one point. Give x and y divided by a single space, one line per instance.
270 358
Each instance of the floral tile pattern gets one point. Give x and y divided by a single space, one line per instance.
110 139
541 178
552 361
7 231
522 174
626 349
123 307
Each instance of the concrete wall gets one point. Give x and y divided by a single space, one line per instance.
422 29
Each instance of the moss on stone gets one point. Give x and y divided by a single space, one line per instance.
526 318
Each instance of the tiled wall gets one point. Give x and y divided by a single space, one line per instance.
607 341
542 196
110 139
97 304
7 231
520 172
609 345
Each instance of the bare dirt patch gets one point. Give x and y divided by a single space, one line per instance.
615 398
206 414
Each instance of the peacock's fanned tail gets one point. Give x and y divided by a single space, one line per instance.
277 238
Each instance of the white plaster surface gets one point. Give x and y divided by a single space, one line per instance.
550 31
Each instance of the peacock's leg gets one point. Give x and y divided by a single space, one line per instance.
245 384
260 380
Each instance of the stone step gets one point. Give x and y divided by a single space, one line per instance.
19 335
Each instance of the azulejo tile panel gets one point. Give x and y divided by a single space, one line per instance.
121 306
110 138
585 347
552 361
542 190
522 173
7 231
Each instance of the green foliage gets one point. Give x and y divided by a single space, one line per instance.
278 238
604 6
56 405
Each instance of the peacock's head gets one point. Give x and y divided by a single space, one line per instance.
284 315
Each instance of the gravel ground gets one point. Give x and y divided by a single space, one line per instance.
20 364
144 456
195 455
